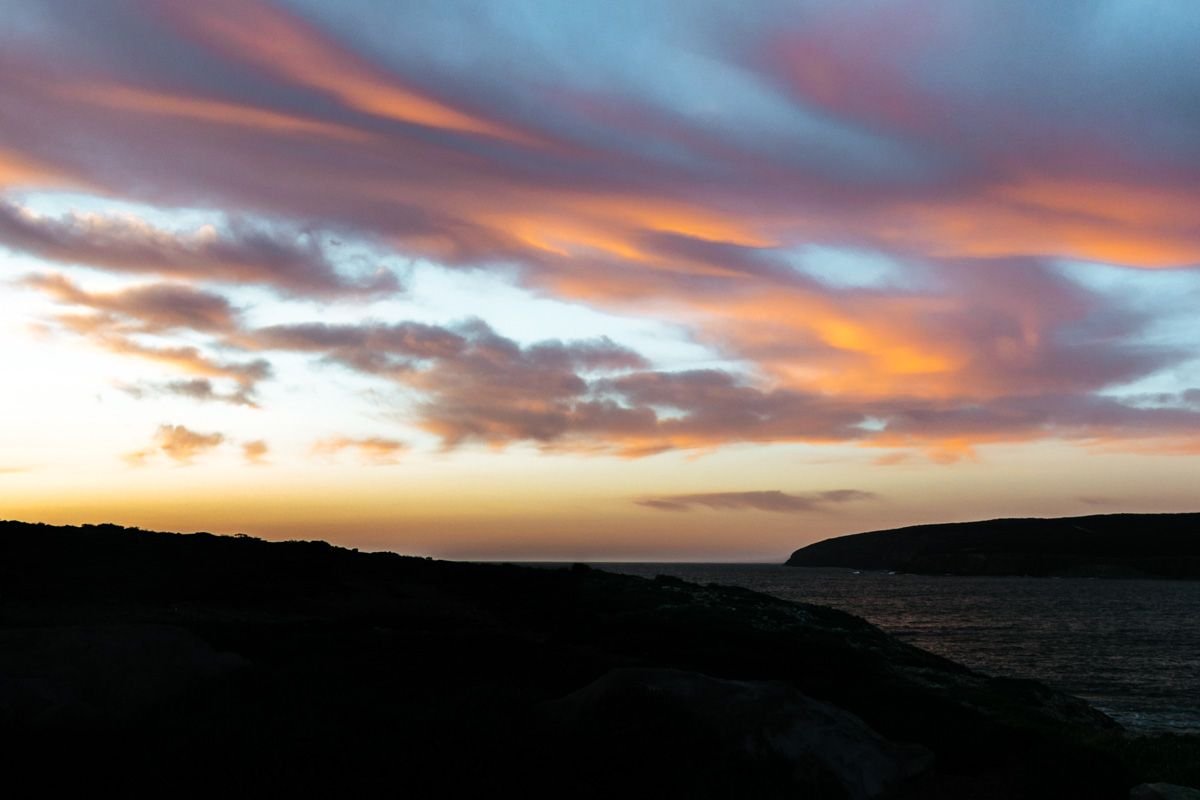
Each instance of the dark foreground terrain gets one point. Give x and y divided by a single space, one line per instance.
182 664
1104 545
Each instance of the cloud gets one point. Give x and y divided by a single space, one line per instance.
372 348
244 375
282 44
255 452
473 384
1030 329
773 501
371 449
20 172
466 383
178 443
198 389
971 329
120 319
678 182
496 391
234 251
154 308
822 124
202 389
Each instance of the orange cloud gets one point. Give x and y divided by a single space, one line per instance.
143 101
680 221
1131 225
371 449
255 452
20 171
177 443
284 45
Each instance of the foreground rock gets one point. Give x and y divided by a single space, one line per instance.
737 731
1163 791
79 674
212 663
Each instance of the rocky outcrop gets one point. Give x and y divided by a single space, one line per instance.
1163 791
142 659
747 727
77 674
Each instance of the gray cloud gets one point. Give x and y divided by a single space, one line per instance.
235 251
154 308
199 389
120 319
773 501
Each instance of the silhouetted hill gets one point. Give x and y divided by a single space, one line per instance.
1107 545
183 664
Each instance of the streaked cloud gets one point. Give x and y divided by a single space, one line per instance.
148 308
232 251
120 322
772 500
1023 364
909 230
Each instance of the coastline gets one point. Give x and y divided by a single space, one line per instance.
216 639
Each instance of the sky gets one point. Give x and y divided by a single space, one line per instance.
597 280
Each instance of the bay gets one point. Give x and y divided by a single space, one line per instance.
1129 647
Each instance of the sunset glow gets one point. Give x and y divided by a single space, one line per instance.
611 280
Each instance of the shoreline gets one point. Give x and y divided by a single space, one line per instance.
251 654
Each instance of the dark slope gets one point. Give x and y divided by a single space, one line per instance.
1110 545
189 663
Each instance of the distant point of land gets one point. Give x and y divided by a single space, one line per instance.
1104 545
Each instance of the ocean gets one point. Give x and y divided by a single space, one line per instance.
1129 647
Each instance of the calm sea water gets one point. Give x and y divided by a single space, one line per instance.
1129 647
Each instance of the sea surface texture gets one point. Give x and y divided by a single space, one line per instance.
1129 647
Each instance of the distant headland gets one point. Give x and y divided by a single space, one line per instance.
1104 545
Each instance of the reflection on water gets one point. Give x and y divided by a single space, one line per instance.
1130 647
